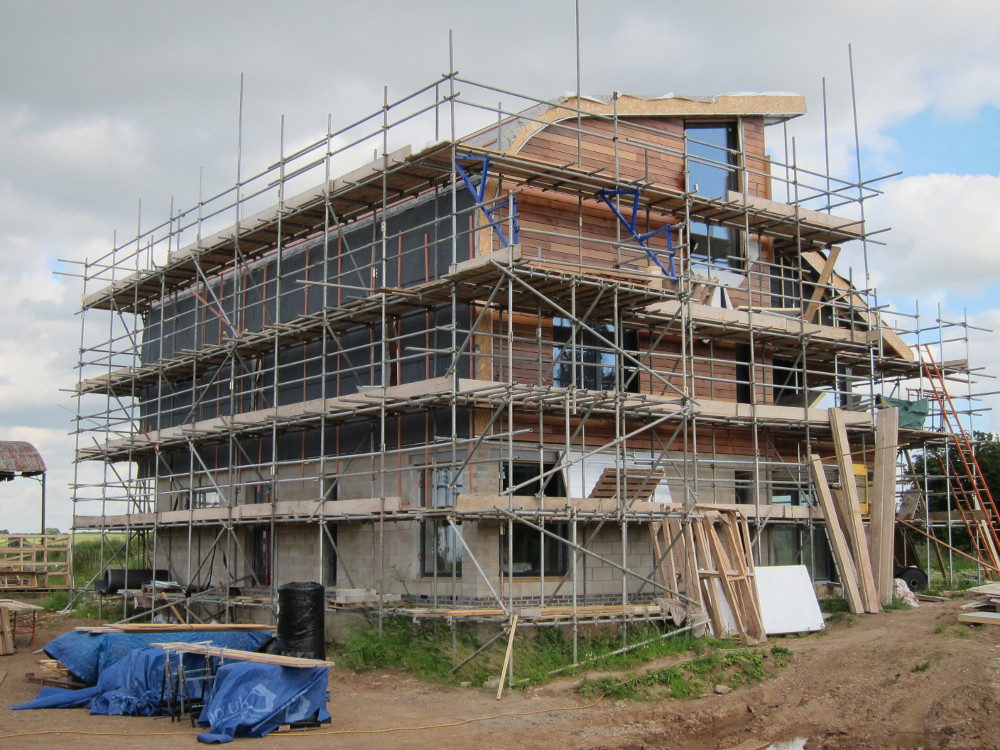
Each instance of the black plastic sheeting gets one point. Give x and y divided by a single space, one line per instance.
301 619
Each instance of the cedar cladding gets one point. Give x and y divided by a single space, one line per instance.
643 149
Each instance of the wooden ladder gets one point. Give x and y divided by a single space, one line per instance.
971 492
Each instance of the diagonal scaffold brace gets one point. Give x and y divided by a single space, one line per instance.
479 193
608 196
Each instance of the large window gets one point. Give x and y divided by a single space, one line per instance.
711 172
587 362
441 547
531 553
535 554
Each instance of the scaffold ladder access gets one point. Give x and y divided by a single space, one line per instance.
970 491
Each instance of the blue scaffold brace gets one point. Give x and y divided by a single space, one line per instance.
608 195
479 194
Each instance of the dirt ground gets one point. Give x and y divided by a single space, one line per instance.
905 679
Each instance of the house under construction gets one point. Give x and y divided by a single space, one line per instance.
505 372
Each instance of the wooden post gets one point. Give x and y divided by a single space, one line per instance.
506 656
850 513
6 634
841 550
883 501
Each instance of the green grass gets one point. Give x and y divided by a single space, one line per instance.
426 651
895 605
734 668
87 556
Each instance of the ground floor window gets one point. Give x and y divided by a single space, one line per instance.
441 549
800 545
260 556
534 554
330 554
440 542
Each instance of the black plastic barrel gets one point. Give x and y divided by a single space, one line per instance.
301 620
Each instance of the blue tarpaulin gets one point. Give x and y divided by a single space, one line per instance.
252 700
246 699
87 655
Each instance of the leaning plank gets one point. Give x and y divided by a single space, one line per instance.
506 656
883 501
692 581
234 654
980 618
841 550
850 514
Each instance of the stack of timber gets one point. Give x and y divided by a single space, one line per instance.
706 561
865 567
984 611
52 673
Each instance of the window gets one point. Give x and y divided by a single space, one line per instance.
441 547
525 478
711 172
744 487
786 287
330 554
260 556
787 376
744 357
206 497
795 545
535 554
590 363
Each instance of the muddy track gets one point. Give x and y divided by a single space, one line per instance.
903 679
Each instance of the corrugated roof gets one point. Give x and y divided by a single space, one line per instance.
19 457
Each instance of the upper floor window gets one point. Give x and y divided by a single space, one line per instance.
588 362
711 172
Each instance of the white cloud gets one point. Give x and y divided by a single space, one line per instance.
107 107
944 238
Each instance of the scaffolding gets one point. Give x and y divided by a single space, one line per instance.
468 378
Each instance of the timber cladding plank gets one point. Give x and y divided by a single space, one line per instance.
850 513
883 502
841 549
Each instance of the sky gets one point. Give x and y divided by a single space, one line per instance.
110 112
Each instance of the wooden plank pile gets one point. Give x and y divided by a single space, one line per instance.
52 673
986 609
707 559
865 566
